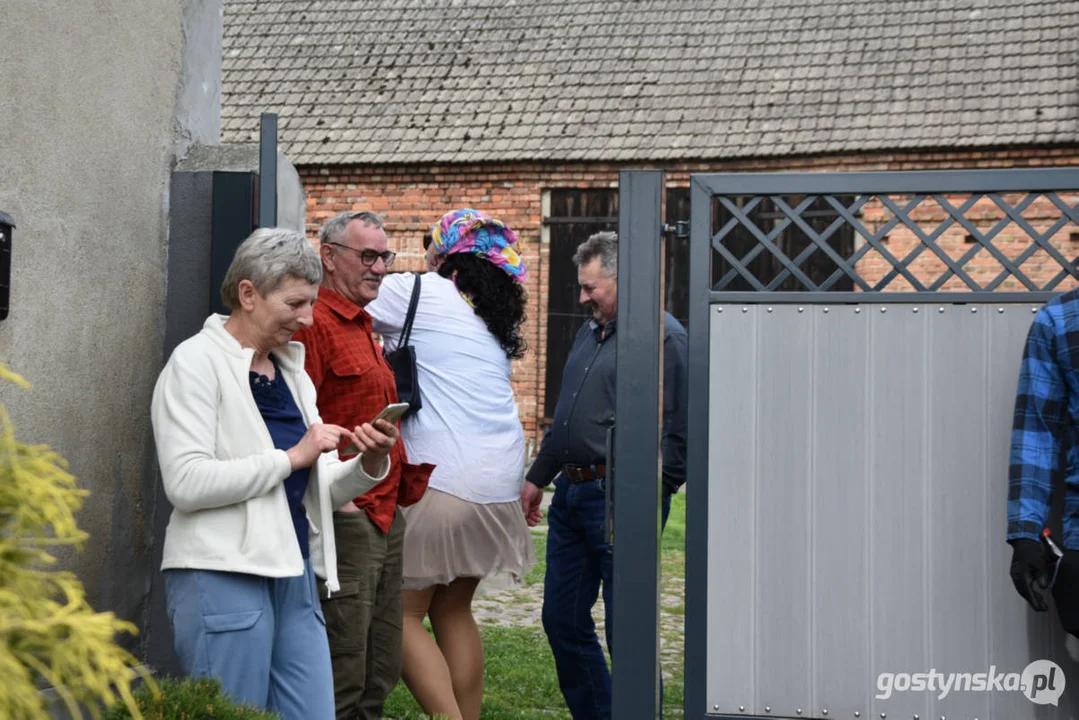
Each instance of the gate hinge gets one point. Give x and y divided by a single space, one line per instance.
680 229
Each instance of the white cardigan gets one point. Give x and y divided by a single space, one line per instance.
224 477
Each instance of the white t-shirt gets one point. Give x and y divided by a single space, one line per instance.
468 426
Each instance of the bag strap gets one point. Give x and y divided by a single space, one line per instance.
406 331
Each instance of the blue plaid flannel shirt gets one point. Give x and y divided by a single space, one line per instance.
1046 403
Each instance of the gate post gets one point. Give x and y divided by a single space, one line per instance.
635 615
268 170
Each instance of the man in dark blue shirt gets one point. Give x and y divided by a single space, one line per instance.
573 455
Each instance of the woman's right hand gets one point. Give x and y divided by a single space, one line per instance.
318 439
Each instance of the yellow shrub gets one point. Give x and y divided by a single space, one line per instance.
48 631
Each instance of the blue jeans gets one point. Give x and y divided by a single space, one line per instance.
579 561
263 638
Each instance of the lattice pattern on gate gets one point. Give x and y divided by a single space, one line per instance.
896 242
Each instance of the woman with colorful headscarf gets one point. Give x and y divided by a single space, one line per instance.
469 525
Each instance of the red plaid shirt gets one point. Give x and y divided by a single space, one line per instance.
354 382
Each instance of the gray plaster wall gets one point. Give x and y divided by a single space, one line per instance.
97 101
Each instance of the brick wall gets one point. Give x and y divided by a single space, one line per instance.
412 197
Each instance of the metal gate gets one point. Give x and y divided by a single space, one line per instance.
850 410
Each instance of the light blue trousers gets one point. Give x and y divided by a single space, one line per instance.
263 638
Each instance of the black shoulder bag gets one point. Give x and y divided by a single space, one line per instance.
403 359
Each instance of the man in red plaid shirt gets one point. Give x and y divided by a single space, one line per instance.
354 382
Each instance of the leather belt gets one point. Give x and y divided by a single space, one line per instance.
584 473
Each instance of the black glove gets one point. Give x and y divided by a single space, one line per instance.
1030 572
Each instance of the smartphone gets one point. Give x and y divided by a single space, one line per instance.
390 413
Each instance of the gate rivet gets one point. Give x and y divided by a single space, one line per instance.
1032 310
769 309
825 309
940 310
915 716
801 309
767 708
857 310
719 309
883 310
974 310
716 706
857 714
741 708
799 711
1000 310
745 309
915 311
883 715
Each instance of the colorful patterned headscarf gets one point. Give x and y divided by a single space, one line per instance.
471 231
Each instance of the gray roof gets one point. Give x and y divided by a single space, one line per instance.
451 81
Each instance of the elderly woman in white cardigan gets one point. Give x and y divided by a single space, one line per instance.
254 477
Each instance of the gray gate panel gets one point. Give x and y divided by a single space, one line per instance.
896 439
732 508
862 496
784 492
840 521
857 492
956 416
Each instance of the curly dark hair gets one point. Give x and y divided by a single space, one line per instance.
500 302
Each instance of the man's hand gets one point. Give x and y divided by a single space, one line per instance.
1030 572
319 438
375 440
531 497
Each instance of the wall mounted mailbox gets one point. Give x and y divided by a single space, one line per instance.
7 227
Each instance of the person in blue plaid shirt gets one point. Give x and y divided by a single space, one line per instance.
1043 431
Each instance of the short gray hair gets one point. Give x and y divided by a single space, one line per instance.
335 227
266 258
602 245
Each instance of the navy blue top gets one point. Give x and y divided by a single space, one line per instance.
586 405
286 426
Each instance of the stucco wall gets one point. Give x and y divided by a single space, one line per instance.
96 100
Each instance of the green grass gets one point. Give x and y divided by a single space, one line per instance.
535 575
187 699
519 680
519 675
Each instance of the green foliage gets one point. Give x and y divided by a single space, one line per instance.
48 631
189 699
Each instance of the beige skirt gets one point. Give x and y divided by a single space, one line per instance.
448 538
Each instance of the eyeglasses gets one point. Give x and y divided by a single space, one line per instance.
368 257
